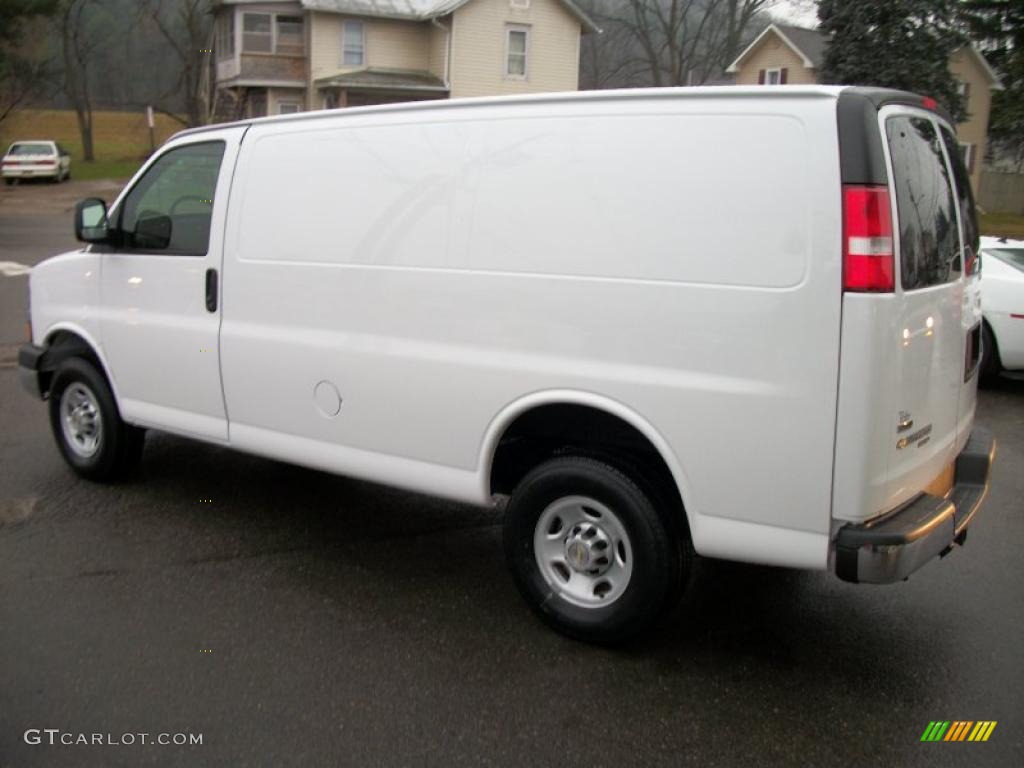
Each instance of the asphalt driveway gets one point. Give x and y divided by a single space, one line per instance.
296 618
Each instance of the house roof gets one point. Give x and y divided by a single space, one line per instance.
808 44
990 73
385 79
418 10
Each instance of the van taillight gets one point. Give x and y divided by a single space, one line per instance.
867 239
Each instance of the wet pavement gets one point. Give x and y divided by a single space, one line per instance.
297 618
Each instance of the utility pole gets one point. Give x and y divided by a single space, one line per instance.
149 122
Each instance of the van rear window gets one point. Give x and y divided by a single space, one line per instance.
966 197
929 240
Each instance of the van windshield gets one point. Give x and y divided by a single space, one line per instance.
929 238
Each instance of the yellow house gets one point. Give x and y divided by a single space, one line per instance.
785 54
276 58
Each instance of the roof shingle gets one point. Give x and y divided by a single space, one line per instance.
417 10
811 42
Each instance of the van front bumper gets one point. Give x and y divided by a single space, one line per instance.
893 547
29 362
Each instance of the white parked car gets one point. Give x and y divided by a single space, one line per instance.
1002 280
718 321
36 160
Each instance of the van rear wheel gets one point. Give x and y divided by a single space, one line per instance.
93 439
589 550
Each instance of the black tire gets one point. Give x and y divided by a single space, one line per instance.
657 559
989 366
118 446
9 182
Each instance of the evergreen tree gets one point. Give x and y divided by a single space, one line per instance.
22 73
998 28
903 44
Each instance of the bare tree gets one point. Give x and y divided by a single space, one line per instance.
686 42
608 58
81 35
668 42
187 26
20 81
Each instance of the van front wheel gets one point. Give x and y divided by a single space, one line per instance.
589 550
87 426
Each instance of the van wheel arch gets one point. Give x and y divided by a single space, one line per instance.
550 430
61 345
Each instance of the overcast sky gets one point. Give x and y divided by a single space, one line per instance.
803 13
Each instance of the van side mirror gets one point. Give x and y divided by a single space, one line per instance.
91 221
152 232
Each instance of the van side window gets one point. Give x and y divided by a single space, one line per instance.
929 240
966 197
169 208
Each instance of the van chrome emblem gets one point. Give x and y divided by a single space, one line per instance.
905 422
922 436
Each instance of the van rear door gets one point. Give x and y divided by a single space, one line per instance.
906 376
928 305
970 322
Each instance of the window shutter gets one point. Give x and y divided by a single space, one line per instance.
782 76
760 77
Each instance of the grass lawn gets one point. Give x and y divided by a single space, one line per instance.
120 139
1002 225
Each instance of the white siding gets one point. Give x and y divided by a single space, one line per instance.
478 48
389 45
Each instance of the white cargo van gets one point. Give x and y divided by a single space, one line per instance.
736 322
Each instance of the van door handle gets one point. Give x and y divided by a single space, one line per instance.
211 290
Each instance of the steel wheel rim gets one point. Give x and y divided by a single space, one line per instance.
81 420
583 551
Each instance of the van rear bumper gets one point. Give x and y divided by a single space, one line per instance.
893 547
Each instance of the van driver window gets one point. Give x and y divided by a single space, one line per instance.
169 209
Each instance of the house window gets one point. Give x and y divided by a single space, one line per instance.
353 44
257 104
517 46
272 33
226 35
289 35
288 107
964 90
776 76
257 35
521 5
967 153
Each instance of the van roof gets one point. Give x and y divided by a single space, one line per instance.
876 97
571 97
